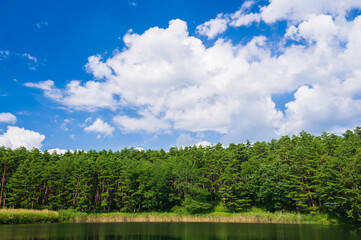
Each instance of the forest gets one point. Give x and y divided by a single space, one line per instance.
300 173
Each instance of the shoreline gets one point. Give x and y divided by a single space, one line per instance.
21 216
190 219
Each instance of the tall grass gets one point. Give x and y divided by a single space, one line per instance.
253 216
16 216
12 216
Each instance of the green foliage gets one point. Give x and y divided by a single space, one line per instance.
70 215
305 174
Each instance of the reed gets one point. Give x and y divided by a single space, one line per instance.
14 216
246 217
17 216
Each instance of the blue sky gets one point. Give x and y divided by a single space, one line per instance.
154 74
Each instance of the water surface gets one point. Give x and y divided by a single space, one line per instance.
178 231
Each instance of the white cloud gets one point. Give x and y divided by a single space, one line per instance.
88 119
89 97
295 12
3 94
103 128
59 151
65 124
7 118
148 122
299 10
4 54
172 81
203 144
98 68
186 139
239 19
29 57
44 85
243 17
213 27
32 61
41 24
319 28
317 108
48 87
16 137
219 25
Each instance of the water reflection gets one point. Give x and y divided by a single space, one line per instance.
178 231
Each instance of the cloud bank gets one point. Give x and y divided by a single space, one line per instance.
171 81
16 137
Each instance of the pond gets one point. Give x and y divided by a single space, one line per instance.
178 231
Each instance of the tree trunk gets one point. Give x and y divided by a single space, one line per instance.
2 185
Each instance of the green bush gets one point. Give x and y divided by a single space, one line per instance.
193 206
179 210
70 215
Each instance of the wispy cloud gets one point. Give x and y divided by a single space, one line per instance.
41 24
32 61
65 124
7 118
4 54
3 94
29 57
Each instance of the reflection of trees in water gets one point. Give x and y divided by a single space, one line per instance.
178 231
108 237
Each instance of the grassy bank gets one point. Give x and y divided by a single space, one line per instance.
13 216
17 216
253 216
249 217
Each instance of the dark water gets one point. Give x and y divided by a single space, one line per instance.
177 231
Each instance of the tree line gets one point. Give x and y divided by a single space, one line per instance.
303 173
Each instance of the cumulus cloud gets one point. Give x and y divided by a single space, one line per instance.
299 10
89 96
59 151
16 137
148 122
295 12
98 68
203 144
219 25
213 27
317 29
172 81
7 118
186 139
103 128
243 17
